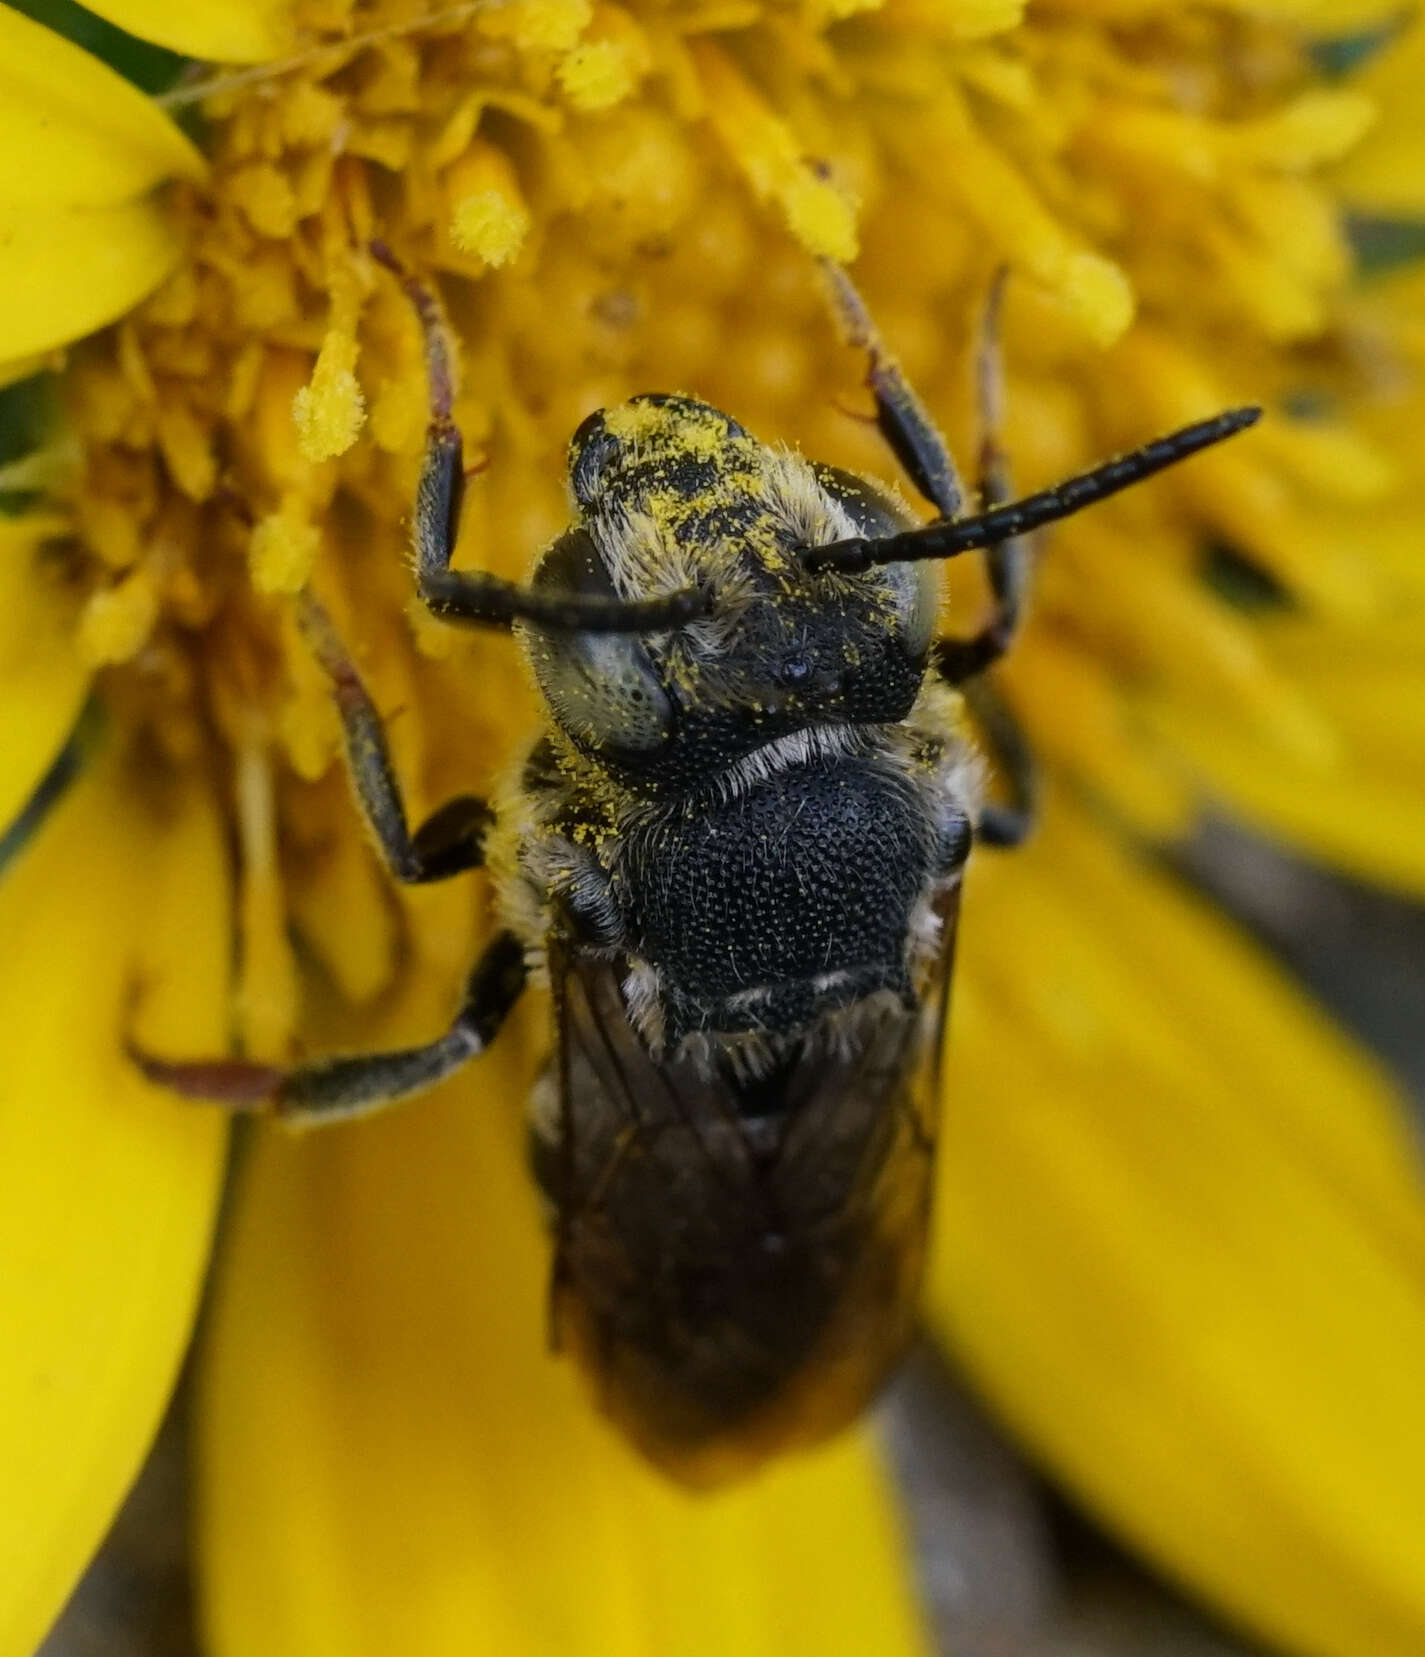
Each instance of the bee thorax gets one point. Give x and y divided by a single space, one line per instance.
763 911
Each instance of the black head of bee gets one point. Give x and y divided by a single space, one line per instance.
671 493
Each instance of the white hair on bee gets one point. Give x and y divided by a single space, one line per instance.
746 1055
646 555
807 515
751 1055
643 997
643 559
959 767
797 748
646 558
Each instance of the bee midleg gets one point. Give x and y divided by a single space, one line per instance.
1009 564
903 419
335 1089
920 448
476 595
452 838
1004 823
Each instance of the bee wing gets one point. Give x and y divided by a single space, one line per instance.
736 1283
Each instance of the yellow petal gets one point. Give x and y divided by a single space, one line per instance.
230 31
42 680
1386 174
1364 812
1366 824
65 271
74 133
1182 1247
21 368
1095 293
107 1187
392 1460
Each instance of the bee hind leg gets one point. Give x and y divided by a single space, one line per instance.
336 1089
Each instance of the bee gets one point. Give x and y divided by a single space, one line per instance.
735 854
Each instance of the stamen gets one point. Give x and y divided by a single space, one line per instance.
283 550
490 219
118 620
490 227
599 74
330 410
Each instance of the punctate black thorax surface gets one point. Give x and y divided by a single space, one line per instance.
794 896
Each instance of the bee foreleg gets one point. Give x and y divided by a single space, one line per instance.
335 1089
452 838
903 419
1009 563
1004 823
475 595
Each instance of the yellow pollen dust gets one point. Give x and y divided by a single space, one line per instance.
490 220
821 216
1100 294
704 438
632 421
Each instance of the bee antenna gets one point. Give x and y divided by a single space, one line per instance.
1002 523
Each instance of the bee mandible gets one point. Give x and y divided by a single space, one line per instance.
735 855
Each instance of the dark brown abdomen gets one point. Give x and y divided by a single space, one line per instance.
734 1284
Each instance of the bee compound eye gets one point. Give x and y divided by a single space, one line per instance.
592 450
603 689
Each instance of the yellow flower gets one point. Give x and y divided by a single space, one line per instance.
1181 1240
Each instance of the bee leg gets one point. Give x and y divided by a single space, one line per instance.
1009 564
452 838
335 1089
1005 823
903 419
475 595
918 445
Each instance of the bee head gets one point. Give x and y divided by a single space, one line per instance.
672 493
